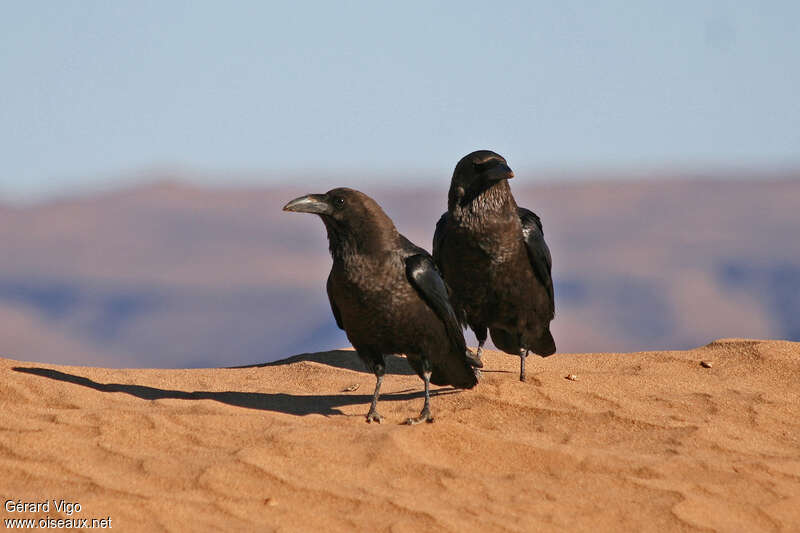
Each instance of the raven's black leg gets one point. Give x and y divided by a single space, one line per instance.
425 415
523 354
373 415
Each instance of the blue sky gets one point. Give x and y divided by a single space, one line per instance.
95 93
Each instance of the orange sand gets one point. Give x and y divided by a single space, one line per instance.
647 441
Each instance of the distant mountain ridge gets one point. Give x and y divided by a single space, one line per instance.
180 276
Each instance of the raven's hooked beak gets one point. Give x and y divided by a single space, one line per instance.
311 203
499 172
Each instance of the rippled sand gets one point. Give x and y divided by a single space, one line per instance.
648 441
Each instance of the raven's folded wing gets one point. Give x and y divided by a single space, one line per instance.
423 275
538 252
438 239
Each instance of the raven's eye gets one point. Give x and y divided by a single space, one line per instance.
338 201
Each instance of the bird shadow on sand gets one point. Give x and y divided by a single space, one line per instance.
345 359
293 404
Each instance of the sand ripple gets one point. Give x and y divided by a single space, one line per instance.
647 441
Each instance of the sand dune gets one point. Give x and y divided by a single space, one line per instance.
648 441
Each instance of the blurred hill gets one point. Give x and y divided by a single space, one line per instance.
169 275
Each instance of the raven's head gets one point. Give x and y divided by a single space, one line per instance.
353 219
475 174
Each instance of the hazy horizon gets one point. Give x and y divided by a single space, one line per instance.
370 180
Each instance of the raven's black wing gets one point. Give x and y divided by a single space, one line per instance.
453 367
438 242
427 279
335 309
422 274
438 239
538 252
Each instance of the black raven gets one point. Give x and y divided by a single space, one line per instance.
493 256
387 295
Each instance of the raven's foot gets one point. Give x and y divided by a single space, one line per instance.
373 416
424 416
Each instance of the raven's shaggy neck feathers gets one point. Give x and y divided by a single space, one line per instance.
495 202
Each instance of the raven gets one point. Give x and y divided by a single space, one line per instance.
495 261
387 295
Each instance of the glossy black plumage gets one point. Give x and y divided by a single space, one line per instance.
387 294
494 258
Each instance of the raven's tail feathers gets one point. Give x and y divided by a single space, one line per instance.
455 370
510 342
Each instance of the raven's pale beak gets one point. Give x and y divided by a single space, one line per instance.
499 172
311 203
